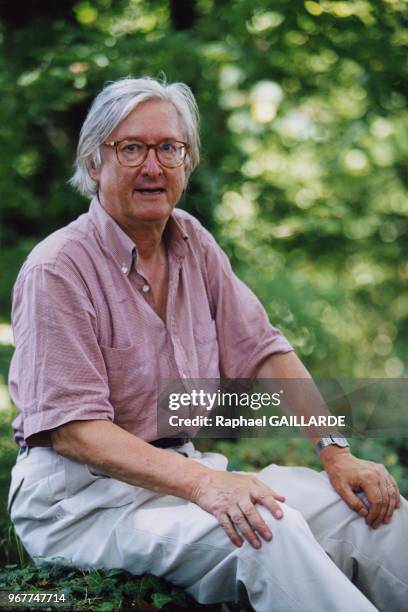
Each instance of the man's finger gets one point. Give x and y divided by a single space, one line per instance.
255 520
278 497
268 499
375 499
352 500
225 522
240 521
397 492
385 504
393 502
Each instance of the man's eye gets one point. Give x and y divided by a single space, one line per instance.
131 147
168 146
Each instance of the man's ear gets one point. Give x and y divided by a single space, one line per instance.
94 172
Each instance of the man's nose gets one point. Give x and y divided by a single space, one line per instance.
151 166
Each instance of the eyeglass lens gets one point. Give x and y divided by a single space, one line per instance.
170 152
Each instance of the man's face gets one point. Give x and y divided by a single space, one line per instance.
128 193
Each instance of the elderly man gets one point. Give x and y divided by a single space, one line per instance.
135 291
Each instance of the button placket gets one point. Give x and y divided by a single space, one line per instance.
172 330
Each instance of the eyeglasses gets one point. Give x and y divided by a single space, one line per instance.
133 153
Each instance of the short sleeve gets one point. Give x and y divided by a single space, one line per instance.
245 336
57 373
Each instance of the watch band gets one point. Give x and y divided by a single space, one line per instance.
334 438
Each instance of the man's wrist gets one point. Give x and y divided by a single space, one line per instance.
198 477
329 453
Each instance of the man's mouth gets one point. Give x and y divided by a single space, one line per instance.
151 191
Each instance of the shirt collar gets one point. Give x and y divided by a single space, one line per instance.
176 237
114 239
122 247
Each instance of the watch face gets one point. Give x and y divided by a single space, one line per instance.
339 440
335 438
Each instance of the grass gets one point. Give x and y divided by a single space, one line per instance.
99 591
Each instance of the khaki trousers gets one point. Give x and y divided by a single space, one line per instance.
322 558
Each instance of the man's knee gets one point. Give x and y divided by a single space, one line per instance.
291 526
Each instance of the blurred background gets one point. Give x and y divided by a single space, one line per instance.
303 178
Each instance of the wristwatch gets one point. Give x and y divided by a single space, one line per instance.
333 438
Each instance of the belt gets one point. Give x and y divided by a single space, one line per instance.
160 443
169 442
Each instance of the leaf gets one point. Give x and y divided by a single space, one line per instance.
152 582
179 598
160 600
115 572
106 606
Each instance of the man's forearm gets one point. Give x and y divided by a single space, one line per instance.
231 498
126 457
301 398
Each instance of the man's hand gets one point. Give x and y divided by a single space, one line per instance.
349 475
231 498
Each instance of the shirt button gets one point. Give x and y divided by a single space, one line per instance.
125 269
146 288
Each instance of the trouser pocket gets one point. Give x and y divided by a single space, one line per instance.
78 476
15 486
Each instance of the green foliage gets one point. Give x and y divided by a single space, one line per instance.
303 176
303 180
100 591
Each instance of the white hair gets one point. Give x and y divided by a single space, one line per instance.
113 104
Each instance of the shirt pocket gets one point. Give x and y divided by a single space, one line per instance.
132 375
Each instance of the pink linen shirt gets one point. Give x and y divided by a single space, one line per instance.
89 344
